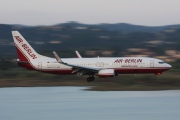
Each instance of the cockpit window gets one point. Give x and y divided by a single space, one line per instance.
161 62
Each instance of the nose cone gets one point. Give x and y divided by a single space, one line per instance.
168 66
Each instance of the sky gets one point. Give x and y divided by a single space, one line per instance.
50 12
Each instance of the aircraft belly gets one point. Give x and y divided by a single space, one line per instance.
63 72
140 70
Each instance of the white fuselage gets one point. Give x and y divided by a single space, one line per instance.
119 64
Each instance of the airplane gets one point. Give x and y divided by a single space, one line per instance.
102 67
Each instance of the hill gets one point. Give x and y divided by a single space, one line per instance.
101 38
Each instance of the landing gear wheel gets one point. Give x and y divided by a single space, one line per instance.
92 78
89 79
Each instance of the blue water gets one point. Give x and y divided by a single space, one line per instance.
73 103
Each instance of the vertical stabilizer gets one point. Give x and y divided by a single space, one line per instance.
24 50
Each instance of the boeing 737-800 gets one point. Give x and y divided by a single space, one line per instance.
100 66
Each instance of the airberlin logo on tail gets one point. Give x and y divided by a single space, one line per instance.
26 48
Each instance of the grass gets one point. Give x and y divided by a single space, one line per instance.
20 77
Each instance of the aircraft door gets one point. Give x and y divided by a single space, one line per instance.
40 65
151 63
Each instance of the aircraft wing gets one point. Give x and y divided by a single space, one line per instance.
80 70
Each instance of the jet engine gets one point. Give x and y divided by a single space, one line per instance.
106 73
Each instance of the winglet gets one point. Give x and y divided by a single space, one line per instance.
57 57
78 55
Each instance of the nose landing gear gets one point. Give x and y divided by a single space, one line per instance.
155 77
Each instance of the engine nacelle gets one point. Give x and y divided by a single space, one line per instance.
106 73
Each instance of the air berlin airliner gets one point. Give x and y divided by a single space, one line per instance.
99 66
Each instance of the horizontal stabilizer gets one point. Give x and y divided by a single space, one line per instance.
23 62
19 61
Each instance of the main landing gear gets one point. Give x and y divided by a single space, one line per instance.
90 78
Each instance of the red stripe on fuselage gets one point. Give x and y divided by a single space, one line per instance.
26 65
142 70
61 72
117 71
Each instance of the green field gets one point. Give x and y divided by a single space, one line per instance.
20 77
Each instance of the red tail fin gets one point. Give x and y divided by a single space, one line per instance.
20 55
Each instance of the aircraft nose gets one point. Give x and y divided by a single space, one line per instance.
168 66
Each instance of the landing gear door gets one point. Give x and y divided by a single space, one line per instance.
39 65
151 63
